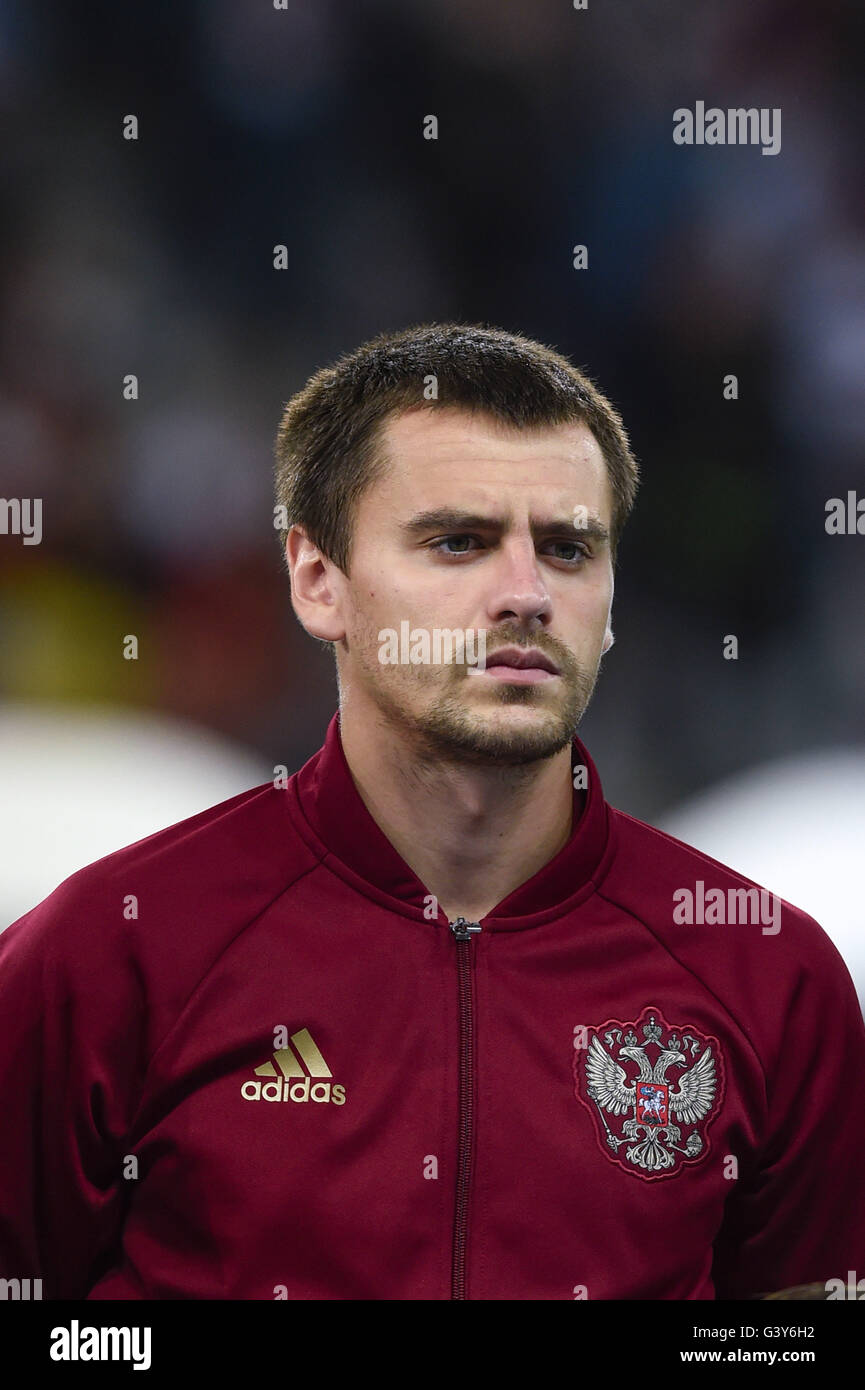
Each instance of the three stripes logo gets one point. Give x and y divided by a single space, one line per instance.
284 1086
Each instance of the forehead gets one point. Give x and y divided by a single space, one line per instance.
433 450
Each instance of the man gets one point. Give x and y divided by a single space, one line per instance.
430 1019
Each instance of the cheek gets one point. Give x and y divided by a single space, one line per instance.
591 615
371 617
593 601
373 606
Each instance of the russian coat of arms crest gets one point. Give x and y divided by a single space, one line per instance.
652 1090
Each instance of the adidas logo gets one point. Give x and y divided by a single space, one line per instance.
284 1087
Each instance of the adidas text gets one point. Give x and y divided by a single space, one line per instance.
298 1091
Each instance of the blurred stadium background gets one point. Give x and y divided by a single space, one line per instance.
303 126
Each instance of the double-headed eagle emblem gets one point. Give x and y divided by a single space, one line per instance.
665 1116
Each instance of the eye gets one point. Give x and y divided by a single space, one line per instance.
457 536
583 551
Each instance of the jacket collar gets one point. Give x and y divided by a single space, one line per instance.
327 798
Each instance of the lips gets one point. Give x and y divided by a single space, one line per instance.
522 659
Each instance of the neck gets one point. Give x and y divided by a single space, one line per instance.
471 834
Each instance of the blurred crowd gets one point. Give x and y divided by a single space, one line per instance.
303 126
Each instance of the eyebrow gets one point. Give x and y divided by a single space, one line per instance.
449 520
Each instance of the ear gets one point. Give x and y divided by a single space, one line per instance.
315 591
609 639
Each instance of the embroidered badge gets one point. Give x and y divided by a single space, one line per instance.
652 1090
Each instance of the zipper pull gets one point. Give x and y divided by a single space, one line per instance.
463 929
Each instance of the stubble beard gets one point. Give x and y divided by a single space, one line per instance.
459 727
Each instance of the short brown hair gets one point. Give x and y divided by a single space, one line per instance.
326 447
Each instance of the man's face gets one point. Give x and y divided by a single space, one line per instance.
508 559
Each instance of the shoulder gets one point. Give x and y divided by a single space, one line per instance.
760 955
247 842
143 924
655 871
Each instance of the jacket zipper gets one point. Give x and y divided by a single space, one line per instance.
463 932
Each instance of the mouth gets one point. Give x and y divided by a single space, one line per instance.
519 665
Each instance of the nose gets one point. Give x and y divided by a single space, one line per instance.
519 593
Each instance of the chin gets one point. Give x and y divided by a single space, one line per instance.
504 736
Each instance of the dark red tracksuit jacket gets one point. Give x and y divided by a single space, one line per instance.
247 1058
